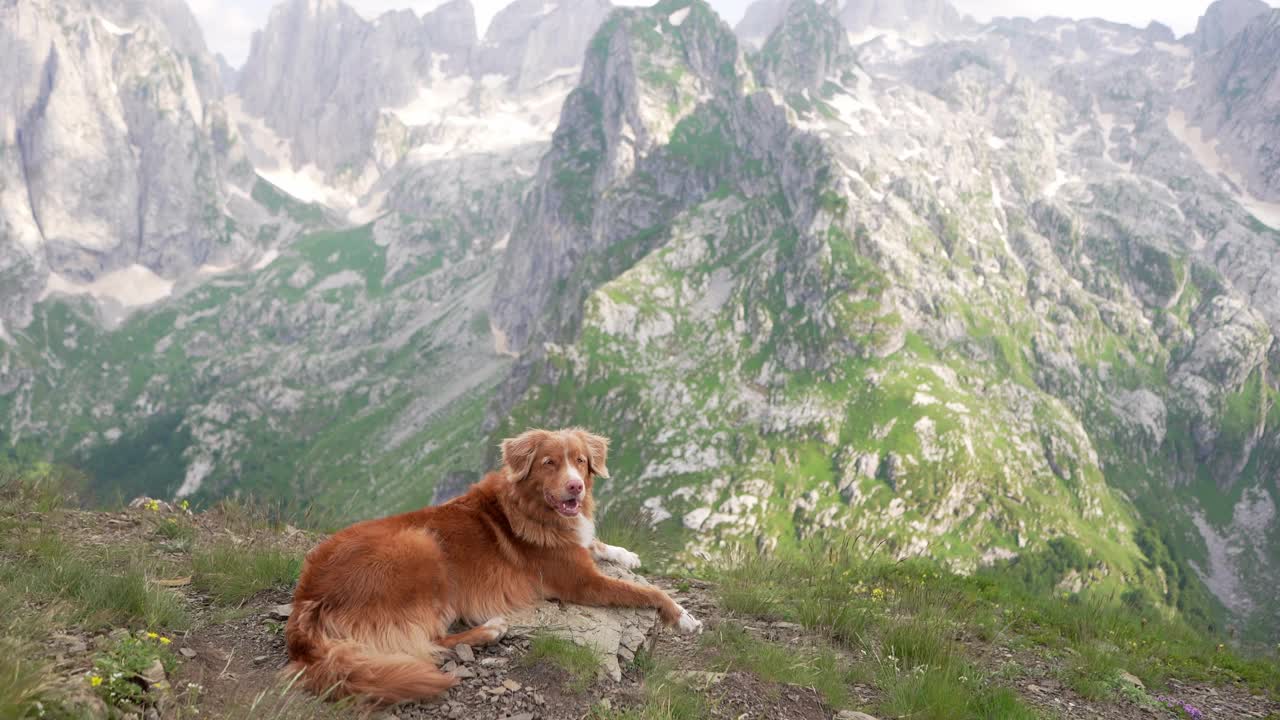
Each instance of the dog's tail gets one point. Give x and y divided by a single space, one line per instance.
340 667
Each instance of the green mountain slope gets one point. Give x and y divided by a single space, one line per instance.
977 300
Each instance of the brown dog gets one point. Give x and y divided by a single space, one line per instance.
376 600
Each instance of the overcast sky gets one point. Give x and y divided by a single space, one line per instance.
228 24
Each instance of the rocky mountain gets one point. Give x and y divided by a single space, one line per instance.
1236 101
965 294
319 75
115 154
817 288
332 104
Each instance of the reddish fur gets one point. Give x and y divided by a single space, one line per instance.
375 601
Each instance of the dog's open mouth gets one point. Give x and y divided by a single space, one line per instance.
567 508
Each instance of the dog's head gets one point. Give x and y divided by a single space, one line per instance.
558 465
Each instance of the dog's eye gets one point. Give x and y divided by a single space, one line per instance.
548 461
581 460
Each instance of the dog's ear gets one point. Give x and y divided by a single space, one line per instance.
597 452
518 452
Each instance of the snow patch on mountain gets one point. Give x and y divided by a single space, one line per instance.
133 286
113 28
272 158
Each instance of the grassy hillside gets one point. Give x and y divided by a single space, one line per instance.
155 608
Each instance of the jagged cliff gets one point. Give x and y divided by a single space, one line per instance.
115 153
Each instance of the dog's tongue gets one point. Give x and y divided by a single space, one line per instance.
569 507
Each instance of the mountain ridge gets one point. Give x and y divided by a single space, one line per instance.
967 296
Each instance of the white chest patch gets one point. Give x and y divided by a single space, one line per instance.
586 531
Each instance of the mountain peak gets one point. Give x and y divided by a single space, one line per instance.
805 47
531 40
1222 20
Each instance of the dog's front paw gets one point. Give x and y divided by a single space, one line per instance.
688 623
624 557
618 556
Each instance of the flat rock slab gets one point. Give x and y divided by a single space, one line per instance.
616 634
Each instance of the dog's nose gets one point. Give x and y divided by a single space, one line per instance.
574 487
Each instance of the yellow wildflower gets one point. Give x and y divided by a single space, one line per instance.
165 641
184 505
95 680
152 635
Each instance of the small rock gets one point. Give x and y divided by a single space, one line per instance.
456 710
153 674
187 652
449 666
511 685
464 672
281 612
151 714
852 715
1032 687
464 652
71 643
1126 677
698 678
522 716
787 625
118 634
261 659
538 699
493 662
497 690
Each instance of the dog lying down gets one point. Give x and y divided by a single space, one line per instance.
375 601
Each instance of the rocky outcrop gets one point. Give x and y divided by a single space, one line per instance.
615 634
638 88
1222 20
